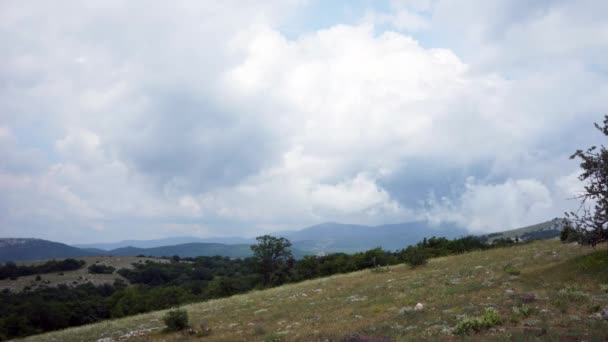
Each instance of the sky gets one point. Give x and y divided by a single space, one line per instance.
147 119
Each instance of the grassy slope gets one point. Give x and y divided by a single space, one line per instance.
79 276
377 304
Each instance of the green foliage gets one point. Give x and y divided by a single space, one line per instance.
101 269
176 320
523 310
468 325
510 269
274 258
273 337
568 234
591 218
11 271
573 294
417 258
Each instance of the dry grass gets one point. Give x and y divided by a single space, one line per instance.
380 304
77 277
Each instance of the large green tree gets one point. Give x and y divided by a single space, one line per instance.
273 255
591 220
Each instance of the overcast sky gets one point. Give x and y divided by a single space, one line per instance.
147 119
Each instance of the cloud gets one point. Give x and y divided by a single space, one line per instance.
209 117
495 207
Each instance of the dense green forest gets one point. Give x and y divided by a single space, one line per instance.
158 285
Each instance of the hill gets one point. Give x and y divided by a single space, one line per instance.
16 249
322 238
171 241
540 290
75 277
350 238
36 249
545 230
187 250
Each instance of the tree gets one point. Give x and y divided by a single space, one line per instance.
272 255
591 220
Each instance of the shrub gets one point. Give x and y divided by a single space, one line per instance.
273 337
469 325
101 269
176 320
572 294
523 310
417 258
511 270
568 234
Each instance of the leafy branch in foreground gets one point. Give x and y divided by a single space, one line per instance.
591 219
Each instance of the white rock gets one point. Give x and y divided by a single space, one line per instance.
418 307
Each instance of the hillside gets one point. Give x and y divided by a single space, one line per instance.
539 231
37 249
76 277
564 287
171 241
187 250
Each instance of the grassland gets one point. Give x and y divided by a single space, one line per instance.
80 276
541 291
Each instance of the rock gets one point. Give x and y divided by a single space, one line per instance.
356 298
604 313
418 307
260 311
509 291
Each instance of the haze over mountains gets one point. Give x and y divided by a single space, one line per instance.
318 239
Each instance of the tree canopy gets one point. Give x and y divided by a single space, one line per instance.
273 255
591 220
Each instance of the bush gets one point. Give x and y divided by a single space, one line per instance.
176 320
511 270
523 310
469 325
573 294
101 269
568 234
417 258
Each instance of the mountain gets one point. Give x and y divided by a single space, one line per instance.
540 231
186 250
16 249
349 238
171 241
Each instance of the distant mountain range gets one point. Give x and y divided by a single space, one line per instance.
37 249
350 238
318 239
171 241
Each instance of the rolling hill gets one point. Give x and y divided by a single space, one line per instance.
17 249
171 241
187 250
545 230
539 291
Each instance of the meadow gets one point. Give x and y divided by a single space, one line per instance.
544 290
